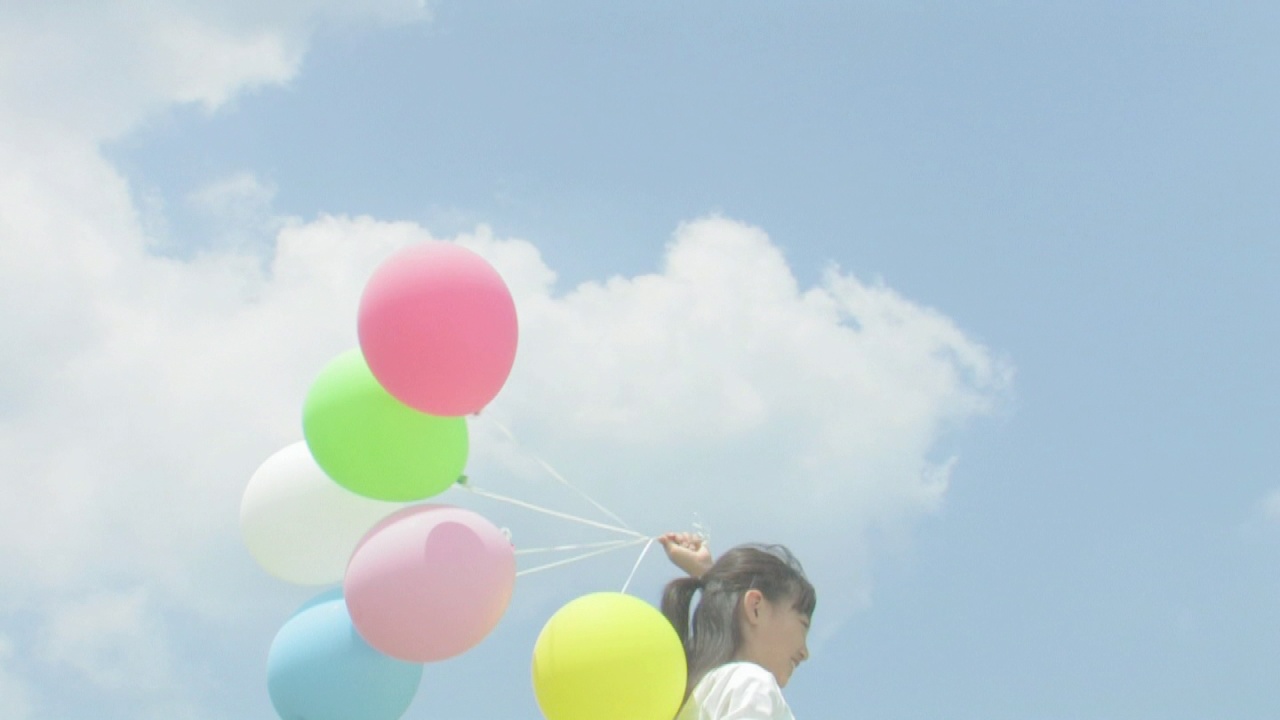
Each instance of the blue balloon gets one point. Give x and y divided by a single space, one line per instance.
319 668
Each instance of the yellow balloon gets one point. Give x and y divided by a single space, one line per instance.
609 656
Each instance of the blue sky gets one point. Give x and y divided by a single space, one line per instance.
1083 192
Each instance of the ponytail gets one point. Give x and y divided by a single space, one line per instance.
677 600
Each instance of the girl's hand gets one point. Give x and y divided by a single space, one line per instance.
687 551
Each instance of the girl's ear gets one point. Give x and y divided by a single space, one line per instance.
751 602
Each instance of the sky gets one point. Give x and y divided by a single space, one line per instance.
970 306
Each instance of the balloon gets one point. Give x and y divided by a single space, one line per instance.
372 444
609 655
438 327
430 582
319 668
300 525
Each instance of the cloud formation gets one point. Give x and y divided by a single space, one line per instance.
1271 506
110 523
96 70
14 689
721 389
110 639
717 386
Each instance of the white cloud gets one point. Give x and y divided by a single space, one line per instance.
1271 506
113 474
112 639
717 386
237 212
18 702
720 386
234 196
97 69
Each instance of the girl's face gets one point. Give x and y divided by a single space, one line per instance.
775 635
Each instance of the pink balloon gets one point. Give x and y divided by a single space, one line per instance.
429 582
437 326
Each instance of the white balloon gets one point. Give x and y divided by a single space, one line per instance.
300 525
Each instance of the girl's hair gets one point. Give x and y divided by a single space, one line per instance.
715 634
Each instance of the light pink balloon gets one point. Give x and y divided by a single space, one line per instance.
437 326
429 582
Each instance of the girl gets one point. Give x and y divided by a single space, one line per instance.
748 631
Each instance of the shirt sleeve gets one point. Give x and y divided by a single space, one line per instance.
754 696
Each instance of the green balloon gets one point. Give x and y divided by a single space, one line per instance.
374 445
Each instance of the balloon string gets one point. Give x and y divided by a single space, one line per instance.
635 567
563 481
584 546
553 513
584 556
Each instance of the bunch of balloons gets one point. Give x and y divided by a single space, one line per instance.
385 428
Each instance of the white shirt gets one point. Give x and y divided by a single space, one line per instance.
736 691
